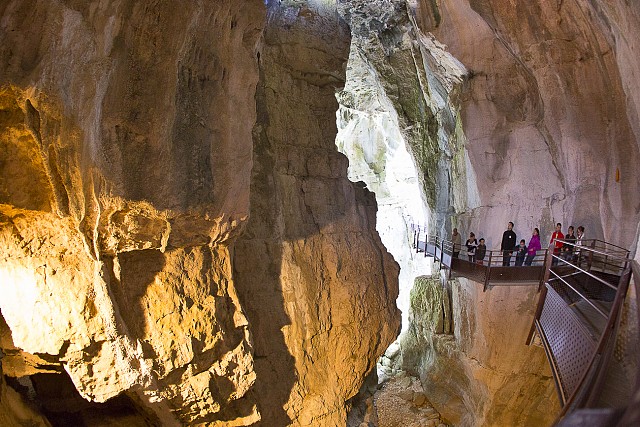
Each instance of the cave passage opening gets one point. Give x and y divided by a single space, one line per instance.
372 140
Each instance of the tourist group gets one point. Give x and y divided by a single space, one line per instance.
564 246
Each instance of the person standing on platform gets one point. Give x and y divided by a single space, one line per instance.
557 244
534 247
508 244
472 244
521 252
481 251
568 247
456 238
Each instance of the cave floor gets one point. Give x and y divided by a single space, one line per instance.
401 402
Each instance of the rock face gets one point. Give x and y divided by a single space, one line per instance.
537 125
177 227
395 66
395 113
172 234
14 410
549 113
469 350
318 286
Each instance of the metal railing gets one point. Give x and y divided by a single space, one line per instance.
581 295
491 270
631 415
577 314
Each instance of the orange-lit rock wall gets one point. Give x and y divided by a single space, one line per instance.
176 225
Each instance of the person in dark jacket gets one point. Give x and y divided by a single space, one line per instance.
481 251
521 252
567 248
472 244
508 244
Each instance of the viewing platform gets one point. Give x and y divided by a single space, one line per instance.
489 271
585 321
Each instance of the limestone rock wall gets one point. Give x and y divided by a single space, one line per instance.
412 73
549 113
468 347
318 286
395 114
537 125
14 410
135 151
126 159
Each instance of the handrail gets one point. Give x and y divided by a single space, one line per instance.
585 390
489 270
631 416
600 312
592 248
588 273
595 362
494 255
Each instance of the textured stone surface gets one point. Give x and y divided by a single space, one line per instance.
549 114
394 73
176 223
481 373
405 88
401 402
317 284
132 143
412 75
126 158
15 410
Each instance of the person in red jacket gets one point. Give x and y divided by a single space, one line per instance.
557 245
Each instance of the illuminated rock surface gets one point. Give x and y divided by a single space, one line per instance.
178 234
132 259
538 127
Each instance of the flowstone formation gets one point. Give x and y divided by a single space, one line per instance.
178 235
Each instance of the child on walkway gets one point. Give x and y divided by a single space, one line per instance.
521 252
481 251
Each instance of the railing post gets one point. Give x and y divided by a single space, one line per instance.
426 242
542 289
538 313
544 275
488 274
590 256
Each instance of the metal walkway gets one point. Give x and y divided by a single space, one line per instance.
490 271
577 319
582 303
